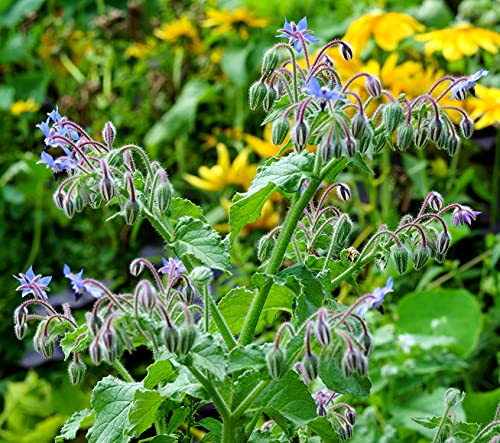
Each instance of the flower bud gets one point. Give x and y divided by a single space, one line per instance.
321 411
20 315
406 134
170 336
136 267
326 148
256 94
392 116
201 275
20 330
346 51
359 125
163 196
270 61
37 338
107 189
365 142
265 247
450 440
367 343
453 145
300 134
79 203
344 192
338 147
379 143
373 86
94 322
453 397
322 331
435 130
95 352
362 365
132 211
420 256
311 366
350 147
108 134
279 130
443 242
350 415
400 256
466 127
187 336
421 137
76 371
342 232
47 346
69 207
146 295
188 293
59 197
460 94
270 99
436 201
108 338
275 360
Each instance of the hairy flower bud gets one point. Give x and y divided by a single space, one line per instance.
20 315
373 86
59 197
279 130
108 134
108 338
95 352
466 127
420 256
392 116
76 371
79 203
350 147
359 125
400 256
342 232
270 98
20 330
453 144
338 148
275 360
300 134
421 137
163 196
170 336
453 397
68 207
350 415
346 51
436 201
146 295
132 211
265 247
322 330
256 94
443 242
311 366
136 267
270 61
47 346
326 148
435 130
188 293
367 343
406 134
201 275
94 322
107 188
365 142
321 411
344 192
187 336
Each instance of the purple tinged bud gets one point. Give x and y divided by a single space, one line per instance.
79 203
322 331
443 242
373 86
321 411
136 267
76 371
108 134
466 127
47 346
108 338
344 192
350 147
95 352
362 365
400 256
132 211
338 148
146 295
188 293
300 134
436 201
350 415
20 315
326 148
170 336
435 130
275 360
94 322
107 188
20 330
256 94
59 197
346 51
406 134
367 343
311 366
279 130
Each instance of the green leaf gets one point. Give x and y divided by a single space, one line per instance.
285 175
234 307
111 400
252 356
244 384
143 411
181 117
199 240
6 97
209 355
360 163
163 439
290 397
159 371
214 427
480 406
178 417
184 384
452 313
76 341
180 207
19 10
324 429
74 423
334 380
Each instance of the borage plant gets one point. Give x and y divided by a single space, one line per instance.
211 348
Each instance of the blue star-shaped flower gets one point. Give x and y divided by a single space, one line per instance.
463 215
78 285
323 93
173 265
293 32
33 284
377 297
458 91
59 164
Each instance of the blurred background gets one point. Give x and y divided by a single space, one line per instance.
173 76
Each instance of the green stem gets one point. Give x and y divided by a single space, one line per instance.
206 311
219 402
245 404
386 200
221 324
358 264
441 424
488 428
228 433
123 371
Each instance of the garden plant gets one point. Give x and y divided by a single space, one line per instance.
280 359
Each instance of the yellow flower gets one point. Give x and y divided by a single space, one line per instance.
224 174
218 135
463 40
178 32
263 146
239 20
138 50
21 107
387 28
486 106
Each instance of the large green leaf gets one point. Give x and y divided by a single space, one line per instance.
111 400
143 411
160 370
198 239
451 313
284 175
73 424
480 406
